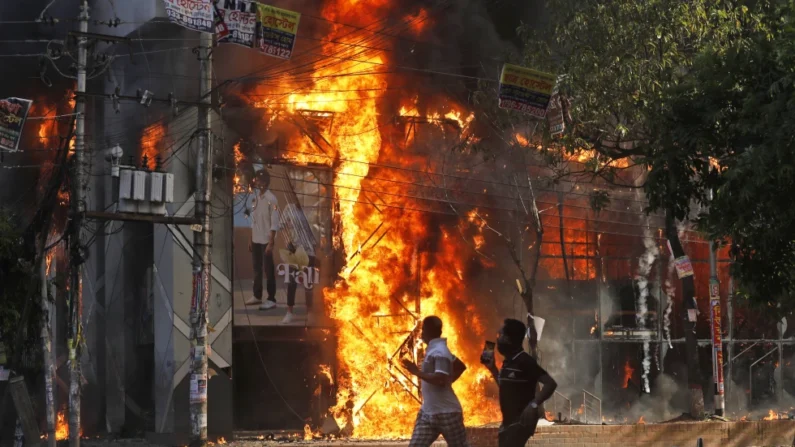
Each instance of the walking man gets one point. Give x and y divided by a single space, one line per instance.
441 411
265 224
518 379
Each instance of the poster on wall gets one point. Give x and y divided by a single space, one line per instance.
276 31
293 272
198 388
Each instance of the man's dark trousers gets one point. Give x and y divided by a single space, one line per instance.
259 255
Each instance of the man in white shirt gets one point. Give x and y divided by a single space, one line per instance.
441 411
264 225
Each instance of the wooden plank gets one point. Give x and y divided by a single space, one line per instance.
19 393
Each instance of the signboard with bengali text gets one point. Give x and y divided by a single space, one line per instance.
196 15
13 114
240 18
525 90
276 31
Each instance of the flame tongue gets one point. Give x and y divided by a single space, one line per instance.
375 302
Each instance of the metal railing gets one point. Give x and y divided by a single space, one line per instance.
560 410
593 403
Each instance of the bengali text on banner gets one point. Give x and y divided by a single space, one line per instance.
195 15
525 90
13 113
240 17
276 31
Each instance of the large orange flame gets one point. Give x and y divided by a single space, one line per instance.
389 282
771 416
151 142
628 370
62 426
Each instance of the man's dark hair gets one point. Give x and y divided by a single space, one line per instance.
263 177
515 330
432 326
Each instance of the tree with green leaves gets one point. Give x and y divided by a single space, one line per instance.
17 287
736 107
621 59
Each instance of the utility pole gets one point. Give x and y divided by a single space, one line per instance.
46 342
78 205
715 320
202 244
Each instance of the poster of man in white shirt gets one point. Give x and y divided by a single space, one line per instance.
264 225
282 223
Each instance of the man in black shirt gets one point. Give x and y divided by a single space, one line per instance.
518 379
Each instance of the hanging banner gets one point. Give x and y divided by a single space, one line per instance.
13 113
683 267
196 15
525 90
221 30
555 115
276 31
240 18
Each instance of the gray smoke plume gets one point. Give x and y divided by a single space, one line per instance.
660 405
642 278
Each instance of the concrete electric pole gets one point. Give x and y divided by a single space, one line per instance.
202 244
715 326
46 343
77 249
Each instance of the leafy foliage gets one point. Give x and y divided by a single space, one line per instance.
683 87
17 286
738 107
620 59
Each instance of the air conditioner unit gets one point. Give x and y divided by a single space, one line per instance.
168 187
126 203
141 191
157 193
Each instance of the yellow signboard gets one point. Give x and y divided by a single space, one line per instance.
525 90
276 30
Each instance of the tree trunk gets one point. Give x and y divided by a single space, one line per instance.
530 280
689 307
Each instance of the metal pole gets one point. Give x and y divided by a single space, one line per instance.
779 371
46 345
730 318
599 290
584 408
78 201
715 320
202 244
